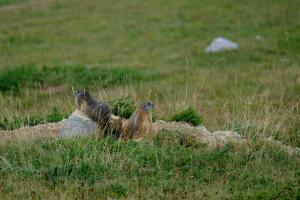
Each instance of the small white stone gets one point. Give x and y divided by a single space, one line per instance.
221 44
259 38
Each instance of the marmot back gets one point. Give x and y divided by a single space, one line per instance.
139 124
96 110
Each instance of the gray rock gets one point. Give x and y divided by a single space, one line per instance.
288 149
259 38
225 136
203 129
77 125
221 44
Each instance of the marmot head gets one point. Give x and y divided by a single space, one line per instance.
147 106
81 96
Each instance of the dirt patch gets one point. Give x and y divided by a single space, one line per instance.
49 130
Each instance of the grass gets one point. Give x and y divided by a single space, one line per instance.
71 75
162 168
123 107
16 122
152 51
188 115
5 2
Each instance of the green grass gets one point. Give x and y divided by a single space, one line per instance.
7 2
71 75
162 168
123 107
188 115
152 51
15 122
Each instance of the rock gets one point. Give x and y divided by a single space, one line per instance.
259 38
288 149
201 134
221 44
223 137
77 125
227 134
203 129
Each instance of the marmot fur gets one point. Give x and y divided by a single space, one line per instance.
97 111
139 124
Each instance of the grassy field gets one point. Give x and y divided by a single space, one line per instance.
152 50
168 167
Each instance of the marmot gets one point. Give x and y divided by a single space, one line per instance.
96 110
139 124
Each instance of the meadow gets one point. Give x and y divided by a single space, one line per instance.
152 51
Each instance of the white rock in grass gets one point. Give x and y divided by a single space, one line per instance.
77 125
221 44
259 38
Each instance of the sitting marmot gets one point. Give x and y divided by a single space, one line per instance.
96 110
139 124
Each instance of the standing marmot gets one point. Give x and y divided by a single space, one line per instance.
96 111
139 124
